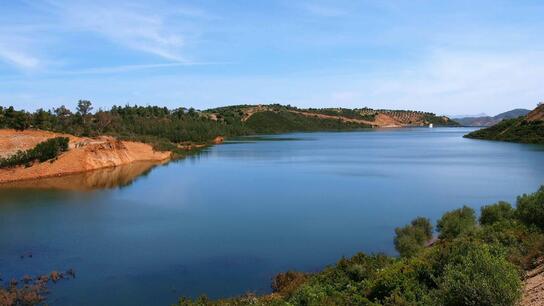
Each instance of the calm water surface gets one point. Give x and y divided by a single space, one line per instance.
224 222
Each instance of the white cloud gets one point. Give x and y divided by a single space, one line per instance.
450 81
18 58
14 49
130 24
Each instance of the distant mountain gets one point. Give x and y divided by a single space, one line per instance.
468 116
489 121
515 113
525 129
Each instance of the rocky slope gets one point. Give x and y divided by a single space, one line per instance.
84 154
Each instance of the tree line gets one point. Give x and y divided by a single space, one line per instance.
165 127
131 122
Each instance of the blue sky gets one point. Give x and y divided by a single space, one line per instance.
449 57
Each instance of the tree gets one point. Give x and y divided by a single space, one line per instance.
103 120
456 222
530 208
495 213
20 120
480 278
84 107
411 238
63 114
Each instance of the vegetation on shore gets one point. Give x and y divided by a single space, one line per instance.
166 128
30 290
473 262
526 129
46 150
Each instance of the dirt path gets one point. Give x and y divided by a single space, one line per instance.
533 292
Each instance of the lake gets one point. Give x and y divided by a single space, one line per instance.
225 221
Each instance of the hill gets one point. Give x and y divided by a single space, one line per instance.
276 117
167 128
82 141
525 129
489 121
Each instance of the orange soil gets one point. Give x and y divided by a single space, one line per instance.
12 141
84 154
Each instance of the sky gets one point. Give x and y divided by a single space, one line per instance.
448 57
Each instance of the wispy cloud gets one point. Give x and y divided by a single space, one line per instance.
450 81
14 51
18 58
131 24
131 68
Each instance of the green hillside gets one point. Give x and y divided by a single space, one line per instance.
165 128
527 129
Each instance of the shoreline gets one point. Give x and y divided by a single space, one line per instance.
84 155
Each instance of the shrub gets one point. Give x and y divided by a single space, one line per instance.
43 151
400 284
411 238
480 278
456 222
530 208
496 212
286 283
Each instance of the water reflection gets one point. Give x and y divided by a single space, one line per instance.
120 176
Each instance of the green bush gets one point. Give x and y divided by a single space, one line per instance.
480 278
399 284
496 212
456 222
530 208
43 151
411 238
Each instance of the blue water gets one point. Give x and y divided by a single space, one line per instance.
224 222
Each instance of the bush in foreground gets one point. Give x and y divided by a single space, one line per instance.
500 211
456 222
411 238
530 208
480 278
